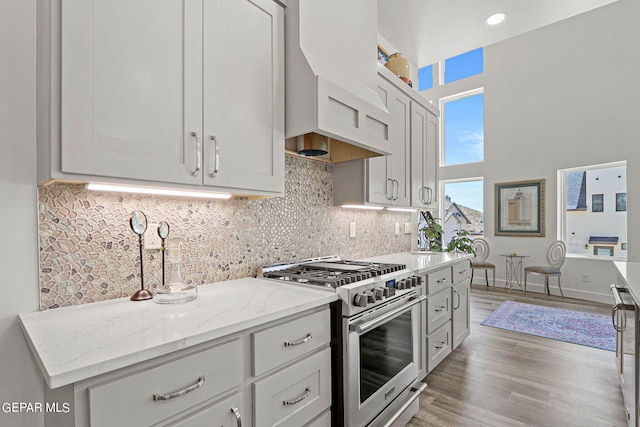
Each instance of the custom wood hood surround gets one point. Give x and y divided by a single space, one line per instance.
331 76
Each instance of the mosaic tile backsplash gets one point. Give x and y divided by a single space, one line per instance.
88 252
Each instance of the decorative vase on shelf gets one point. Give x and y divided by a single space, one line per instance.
399 65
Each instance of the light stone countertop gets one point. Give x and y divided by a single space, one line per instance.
74 343
422 262
630 274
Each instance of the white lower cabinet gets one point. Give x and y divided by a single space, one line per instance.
438 346
461 320
278 373
445 319
228 413
153 395
297 394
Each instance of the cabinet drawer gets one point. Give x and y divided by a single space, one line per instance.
228 413
323 421
438 280
438 310
295 395
283 343
130 401
461 272
438 346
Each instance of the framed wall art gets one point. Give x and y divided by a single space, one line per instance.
519 208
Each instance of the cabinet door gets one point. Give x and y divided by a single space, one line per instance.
388 177
244 94
461 318
131 88
424 160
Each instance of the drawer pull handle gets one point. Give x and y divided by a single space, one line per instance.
236 412
300 341
303 396
462 272
180 392
439 309
442 345
444 279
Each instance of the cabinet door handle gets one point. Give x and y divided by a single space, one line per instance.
459 300
180 392
442 345
303 396
298 342
421 195
198 154
386 190
216 157
397 192
236 412
429 195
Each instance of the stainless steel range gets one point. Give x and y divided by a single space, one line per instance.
377 335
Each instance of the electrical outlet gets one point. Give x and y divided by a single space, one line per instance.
397 228
151 239
407 228
352 229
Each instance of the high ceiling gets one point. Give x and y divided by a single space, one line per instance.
432 30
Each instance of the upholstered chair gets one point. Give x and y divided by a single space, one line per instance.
555 258
479 262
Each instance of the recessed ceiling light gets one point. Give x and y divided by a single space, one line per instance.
495 18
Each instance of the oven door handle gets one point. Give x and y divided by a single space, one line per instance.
363 327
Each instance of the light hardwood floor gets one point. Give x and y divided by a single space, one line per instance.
503 378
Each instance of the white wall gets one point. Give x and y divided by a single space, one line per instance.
20 381
562 96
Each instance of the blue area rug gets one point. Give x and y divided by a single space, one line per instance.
592 330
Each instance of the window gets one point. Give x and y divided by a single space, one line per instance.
603 250
425 78
465 65
463 134
593 231
597 203
621 202
463 208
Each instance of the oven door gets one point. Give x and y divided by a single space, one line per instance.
381 357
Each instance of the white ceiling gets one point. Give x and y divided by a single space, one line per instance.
429 31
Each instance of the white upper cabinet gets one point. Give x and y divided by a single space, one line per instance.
424 157
244 101
388 176
407 177
172 92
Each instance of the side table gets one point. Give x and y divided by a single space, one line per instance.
513 266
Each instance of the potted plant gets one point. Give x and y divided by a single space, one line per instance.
461 242
431 235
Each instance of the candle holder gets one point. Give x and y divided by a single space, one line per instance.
138 223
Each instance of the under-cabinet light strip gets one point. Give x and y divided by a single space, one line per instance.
374 208
155 191
402 210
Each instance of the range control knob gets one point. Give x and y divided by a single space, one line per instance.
378 293
414 281
360 300
370 297
387 292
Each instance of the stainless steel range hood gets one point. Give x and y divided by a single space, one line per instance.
331 74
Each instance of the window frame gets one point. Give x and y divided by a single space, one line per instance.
600 203
563 232
444 100
619 203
